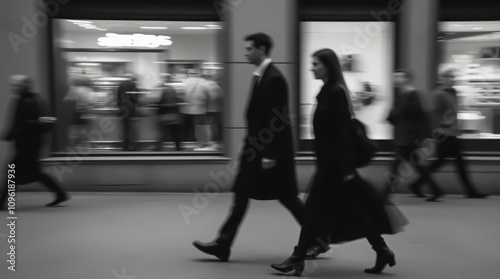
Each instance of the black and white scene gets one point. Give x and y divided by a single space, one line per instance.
227 139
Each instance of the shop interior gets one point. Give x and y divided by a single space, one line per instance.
156 53
366 50
472 48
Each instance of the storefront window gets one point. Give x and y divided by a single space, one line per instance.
138 85
472 49
366 50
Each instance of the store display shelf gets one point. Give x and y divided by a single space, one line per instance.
491 105
485 81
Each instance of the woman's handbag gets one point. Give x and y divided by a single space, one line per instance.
364 147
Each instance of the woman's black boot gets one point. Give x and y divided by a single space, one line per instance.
384 257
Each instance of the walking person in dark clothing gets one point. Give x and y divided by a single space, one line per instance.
338 194
28 126
127 101
411 125
170 119
267 167
446 123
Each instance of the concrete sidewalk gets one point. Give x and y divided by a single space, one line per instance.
145 236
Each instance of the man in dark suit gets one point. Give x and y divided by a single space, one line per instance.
267 168
127 101
411 126
446 120
28 125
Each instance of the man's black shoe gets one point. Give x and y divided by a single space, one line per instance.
214 249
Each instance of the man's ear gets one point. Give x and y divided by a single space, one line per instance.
263 49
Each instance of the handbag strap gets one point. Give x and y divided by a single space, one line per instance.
349 102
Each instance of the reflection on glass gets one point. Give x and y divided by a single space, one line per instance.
472 49
150 115
366 53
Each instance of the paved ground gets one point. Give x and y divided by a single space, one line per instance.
144 236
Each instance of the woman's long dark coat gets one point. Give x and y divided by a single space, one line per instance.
334 149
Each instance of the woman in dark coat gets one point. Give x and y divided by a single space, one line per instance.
353 208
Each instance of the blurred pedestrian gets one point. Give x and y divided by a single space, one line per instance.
170 119
29 123
411 126
128 102
446 120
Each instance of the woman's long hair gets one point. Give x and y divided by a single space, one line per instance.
335 76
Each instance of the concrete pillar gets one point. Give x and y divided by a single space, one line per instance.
23 48
276 18
419 43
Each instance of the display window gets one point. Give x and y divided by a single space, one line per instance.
129 85
366 49
472 50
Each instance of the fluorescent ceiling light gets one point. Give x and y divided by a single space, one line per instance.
212 26
153 27
478 28
79 21
194 28
457 25
134 40
88 64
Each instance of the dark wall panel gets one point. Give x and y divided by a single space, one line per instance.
187 10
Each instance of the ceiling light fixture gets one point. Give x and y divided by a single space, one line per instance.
79 21
134 40
153 27
193 28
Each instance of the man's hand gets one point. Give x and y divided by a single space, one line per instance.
268 163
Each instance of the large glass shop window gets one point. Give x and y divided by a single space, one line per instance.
472 50
366 50
138 86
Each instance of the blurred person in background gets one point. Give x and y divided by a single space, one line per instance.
446 124
78 101
170 118
214 111
411 125
128 101
26 130
195 107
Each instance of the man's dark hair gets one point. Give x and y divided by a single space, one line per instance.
408 74
261 39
